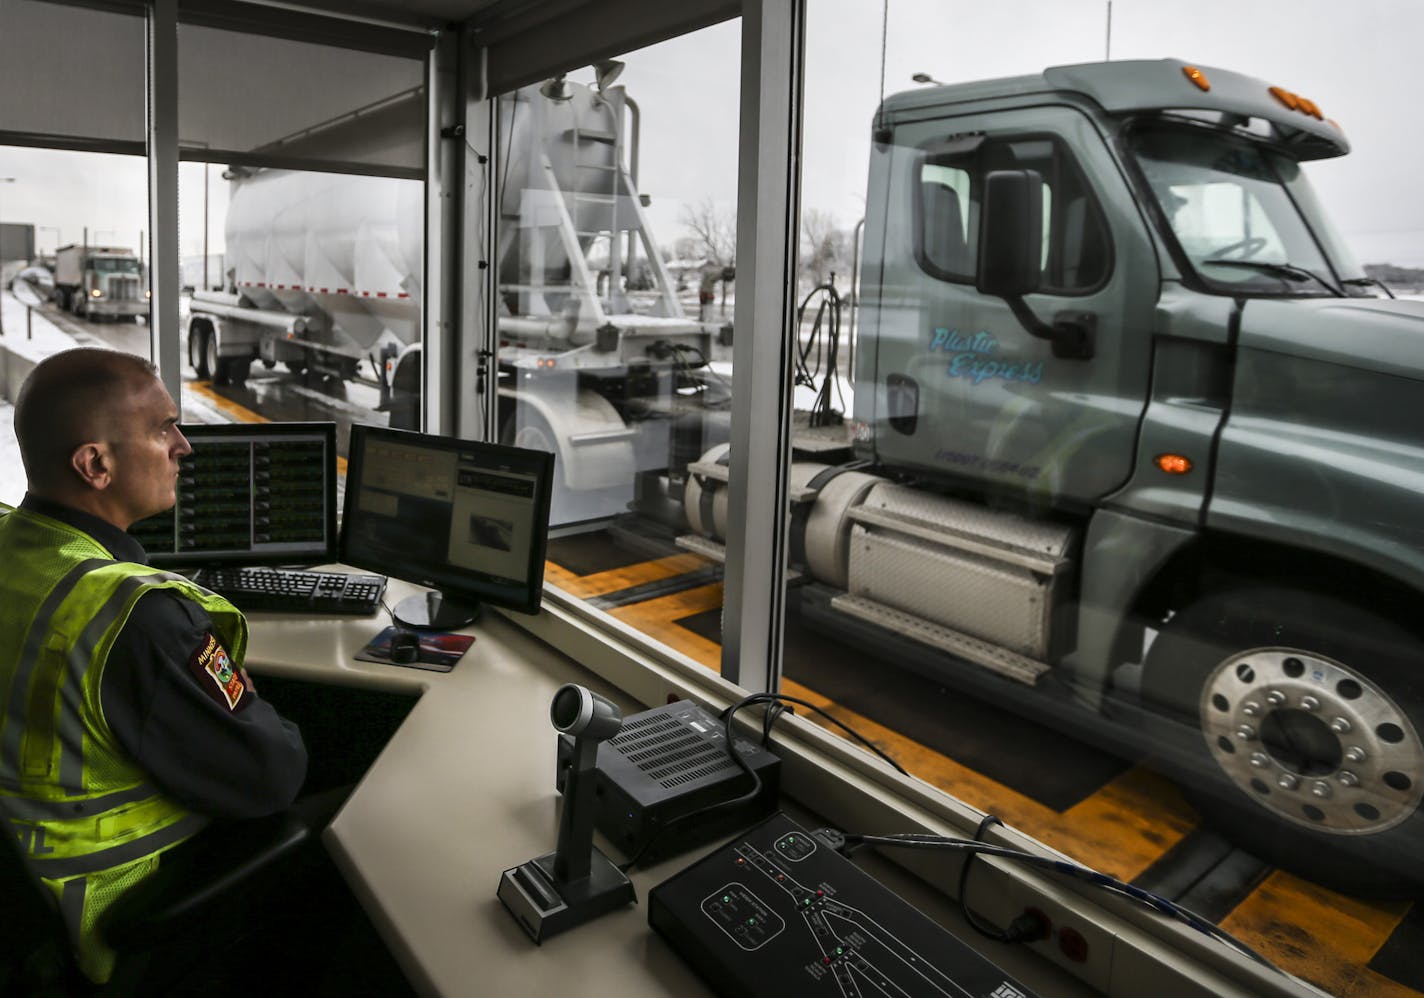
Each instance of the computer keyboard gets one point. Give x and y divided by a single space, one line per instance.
289 590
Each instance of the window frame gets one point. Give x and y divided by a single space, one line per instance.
1067 166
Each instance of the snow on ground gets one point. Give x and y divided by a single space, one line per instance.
40 340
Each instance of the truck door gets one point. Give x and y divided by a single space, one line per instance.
961 391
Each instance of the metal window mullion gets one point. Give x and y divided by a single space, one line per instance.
477 410
444 161
767 198
162 128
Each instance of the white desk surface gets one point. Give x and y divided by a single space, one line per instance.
465 790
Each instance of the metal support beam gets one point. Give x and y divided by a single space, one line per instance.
162 122
445 157
478 406
754 599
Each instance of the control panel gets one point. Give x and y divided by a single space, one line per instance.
777 912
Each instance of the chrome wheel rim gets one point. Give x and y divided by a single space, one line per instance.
1313 741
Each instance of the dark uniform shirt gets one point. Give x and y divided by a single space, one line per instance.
217 748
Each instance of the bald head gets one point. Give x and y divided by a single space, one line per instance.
70 399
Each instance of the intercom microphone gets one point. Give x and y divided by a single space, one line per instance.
576 882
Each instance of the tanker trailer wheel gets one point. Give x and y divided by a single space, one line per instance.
529 430
198 336
1303 723
225 370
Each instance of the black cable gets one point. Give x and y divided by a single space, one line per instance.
773 713
970 916
913 840
825 343
387 607
757 698
678 351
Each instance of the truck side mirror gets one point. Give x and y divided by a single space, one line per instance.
1010 233
1010 246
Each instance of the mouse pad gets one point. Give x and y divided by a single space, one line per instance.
439 650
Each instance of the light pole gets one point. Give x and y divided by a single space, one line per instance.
49 228
3 180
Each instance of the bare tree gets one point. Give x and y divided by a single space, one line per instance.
824 249
713 229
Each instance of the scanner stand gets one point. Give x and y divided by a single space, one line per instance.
543 906
577 882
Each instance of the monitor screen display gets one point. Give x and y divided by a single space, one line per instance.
249 494
469 520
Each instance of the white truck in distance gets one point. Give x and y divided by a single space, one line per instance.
101 282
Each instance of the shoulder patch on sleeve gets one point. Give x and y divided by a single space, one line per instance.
213 669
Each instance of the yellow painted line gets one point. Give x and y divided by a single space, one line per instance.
239 413
656 618
1127 824
616 579
1315 933
1124 834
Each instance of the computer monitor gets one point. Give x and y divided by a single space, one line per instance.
249 494
469 520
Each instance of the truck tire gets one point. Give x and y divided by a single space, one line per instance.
232 371
212 358
198 336
1302 736
405 392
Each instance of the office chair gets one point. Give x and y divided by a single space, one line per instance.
230 865
35 958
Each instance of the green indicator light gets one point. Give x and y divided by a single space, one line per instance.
839 951
726 898
751 921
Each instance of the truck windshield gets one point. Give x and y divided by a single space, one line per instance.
1239 213
115 264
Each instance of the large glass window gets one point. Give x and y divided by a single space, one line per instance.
82 218
615 314
1004 571
301 229
307 302
73 191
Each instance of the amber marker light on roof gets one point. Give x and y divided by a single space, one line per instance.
1174 464
1197 77
1290 100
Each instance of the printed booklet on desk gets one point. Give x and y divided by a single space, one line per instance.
439 650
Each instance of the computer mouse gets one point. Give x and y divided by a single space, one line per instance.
405 647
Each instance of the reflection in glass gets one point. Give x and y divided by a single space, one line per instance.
600 361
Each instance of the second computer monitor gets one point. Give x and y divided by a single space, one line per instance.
469 520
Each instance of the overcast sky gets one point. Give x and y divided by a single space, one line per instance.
1359 62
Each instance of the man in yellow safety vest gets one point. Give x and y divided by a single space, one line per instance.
126 720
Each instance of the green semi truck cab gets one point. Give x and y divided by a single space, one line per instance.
1127 398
